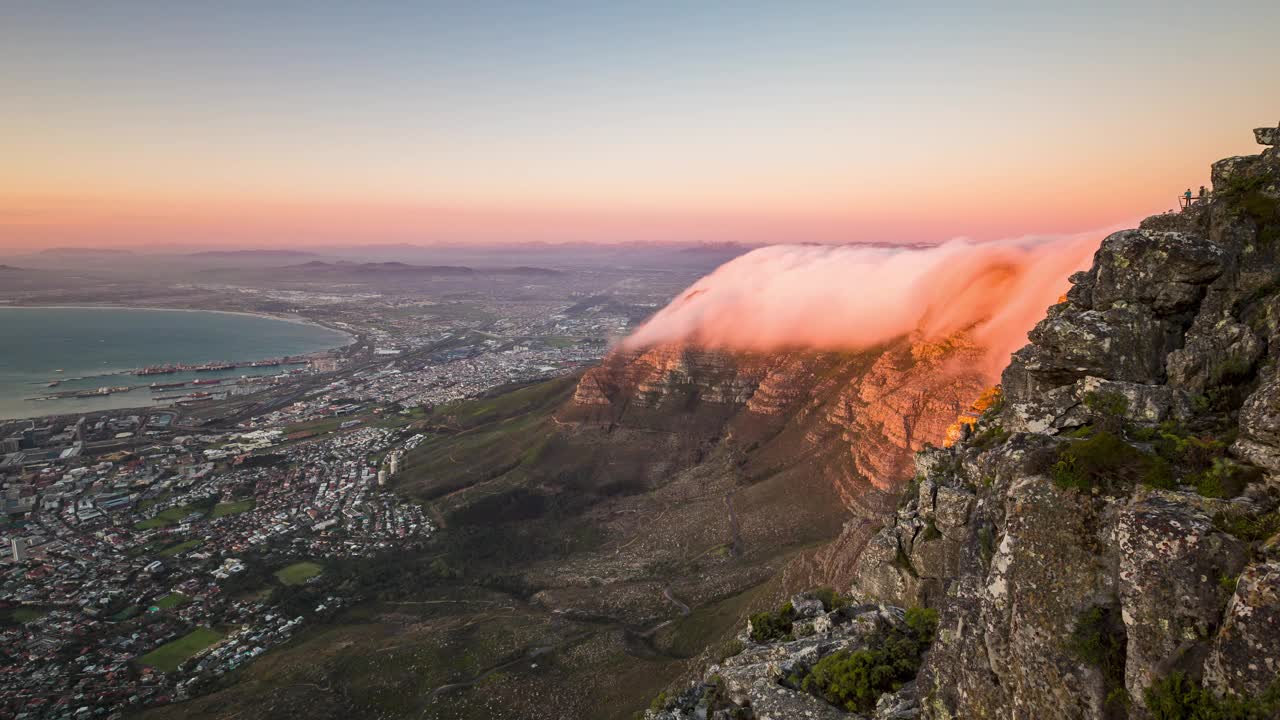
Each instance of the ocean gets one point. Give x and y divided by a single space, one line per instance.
40 345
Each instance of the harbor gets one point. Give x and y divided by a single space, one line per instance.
288 365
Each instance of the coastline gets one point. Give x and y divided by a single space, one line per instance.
292 319
338 341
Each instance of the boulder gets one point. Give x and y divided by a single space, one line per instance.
1171 559
1217 349
1068 407
806 605
1259 440
881 573
1243 659
1166 271
1125 343
952 508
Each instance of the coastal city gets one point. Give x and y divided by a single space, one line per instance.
147 552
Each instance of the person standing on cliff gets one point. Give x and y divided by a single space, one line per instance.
1187 196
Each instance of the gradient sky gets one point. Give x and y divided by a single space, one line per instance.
312 123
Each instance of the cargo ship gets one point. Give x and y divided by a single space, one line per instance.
156 370
209 367
210 381
103 391
161 386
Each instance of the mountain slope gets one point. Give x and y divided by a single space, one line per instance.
623 524
1104 542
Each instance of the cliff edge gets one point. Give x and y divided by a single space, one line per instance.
1103 542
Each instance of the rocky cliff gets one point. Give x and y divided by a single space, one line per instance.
861 414
1102 543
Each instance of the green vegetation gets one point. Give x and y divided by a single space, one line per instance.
1103 456
1203 461
174 515
232 508
1178 697
1177 445
298 573
1106 462
170 656
1099 641
26 613
1249 529
1108 410
131 611
990 437
831 600
503 402
484 439
1228 583
768 626
311 428
181 547
172 600
1225 478
558 341
729 648
155 522
854 680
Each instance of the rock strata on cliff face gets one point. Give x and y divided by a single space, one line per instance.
1113 522
856 418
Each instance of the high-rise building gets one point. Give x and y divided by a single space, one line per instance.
20 546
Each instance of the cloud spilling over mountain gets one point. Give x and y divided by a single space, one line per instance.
854 297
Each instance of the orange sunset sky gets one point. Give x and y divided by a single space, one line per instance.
311 124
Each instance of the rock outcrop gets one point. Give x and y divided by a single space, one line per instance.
1113 521
773 678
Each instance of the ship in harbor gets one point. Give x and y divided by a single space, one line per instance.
103 391
217 365
161 386
157 370
209 381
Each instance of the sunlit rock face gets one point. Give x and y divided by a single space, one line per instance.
859 415
957 430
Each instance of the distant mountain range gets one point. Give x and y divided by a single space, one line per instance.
317 266
350 271
84 252
252 253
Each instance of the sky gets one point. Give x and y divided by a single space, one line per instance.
336 123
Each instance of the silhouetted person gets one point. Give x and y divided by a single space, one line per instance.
1203 193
